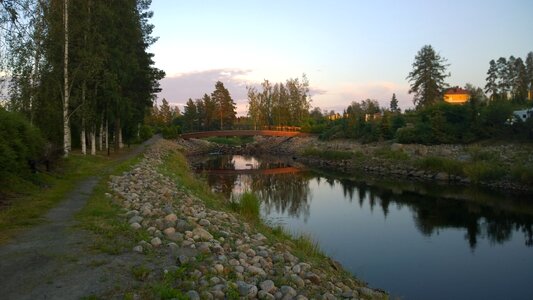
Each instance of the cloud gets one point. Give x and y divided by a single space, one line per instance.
179 88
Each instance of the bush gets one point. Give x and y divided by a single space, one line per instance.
171 132
439 164
483 171
248 206
146 132
20 143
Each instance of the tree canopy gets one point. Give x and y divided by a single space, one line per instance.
427 77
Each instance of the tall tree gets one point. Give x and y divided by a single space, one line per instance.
503 73
190 116
519 84
254 107
394 104
427 77
225 107
491 87
529 72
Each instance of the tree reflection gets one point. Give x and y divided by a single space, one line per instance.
291 194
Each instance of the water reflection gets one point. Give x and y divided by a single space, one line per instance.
291 194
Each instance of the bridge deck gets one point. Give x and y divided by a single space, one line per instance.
203 134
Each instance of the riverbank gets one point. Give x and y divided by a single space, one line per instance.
218 254
507 167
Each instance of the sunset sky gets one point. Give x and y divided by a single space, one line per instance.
350 50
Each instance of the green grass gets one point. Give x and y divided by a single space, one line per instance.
100 215
389 154
328 154
523 173
480 171
248 206
231 141
30 200
440 164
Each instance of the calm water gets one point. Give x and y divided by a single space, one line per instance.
415 241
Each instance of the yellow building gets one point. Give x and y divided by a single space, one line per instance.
456 95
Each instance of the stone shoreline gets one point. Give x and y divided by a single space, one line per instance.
390 168
217 254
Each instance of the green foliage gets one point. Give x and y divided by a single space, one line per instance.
523 173
441 164
427 77
307 246
20 143
171 132
146 132
248 206
480 171
166 291
391 154
140 272
328 154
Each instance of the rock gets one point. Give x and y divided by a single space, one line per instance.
256 271
243 287
267 286
287 291
175 237
171 218
239 269
328 296
442 176
135 226
203 247
366 292
135 219
219 268
301 297
193 295
349 294
202 233
183 259
312 277
300 283
233 262
168 231
156 242
266 296
138 249
204 222
214 280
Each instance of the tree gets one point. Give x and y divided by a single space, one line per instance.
519 83
254 108
491 87
502 71
529 72
190 116
427 77
225 107
394 104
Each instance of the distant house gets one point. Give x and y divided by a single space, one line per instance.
456 95
333 117
523 114
374 116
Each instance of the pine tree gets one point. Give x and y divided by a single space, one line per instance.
491 87
190 116
502 71
225 107
519 84
529 74
394 104
427 77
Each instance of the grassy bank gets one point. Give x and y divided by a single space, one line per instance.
231 141
28 200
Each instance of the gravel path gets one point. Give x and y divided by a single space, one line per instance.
45 262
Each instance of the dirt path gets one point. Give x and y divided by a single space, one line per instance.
51 261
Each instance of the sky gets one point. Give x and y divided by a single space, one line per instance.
349 50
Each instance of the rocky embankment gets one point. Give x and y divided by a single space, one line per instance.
402 161
217 255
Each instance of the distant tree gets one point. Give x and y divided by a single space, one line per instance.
502 71
491 87
209 112
520 81
254 106
394 104
225 107
190 116
166 113
427 77
529 71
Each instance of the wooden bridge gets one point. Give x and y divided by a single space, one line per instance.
203 134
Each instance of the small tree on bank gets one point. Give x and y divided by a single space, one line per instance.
427 77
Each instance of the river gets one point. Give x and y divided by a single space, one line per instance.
414 240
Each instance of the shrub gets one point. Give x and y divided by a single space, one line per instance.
483 171
20 143
171 132
146 132
438 164
248 206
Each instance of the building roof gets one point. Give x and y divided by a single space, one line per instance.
456 90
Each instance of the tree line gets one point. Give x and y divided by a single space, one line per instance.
79 70
212 112
510 79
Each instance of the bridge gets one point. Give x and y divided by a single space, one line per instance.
204 134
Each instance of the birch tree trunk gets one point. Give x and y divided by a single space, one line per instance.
93 141
100 136
106 135
66 117
83 137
